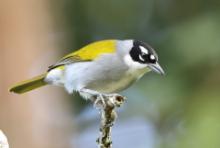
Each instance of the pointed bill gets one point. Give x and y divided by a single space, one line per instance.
157 68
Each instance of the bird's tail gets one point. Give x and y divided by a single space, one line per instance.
29 85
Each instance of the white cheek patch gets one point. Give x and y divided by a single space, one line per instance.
132 64
144 50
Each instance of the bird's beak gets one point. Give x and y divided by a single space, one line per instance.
156 68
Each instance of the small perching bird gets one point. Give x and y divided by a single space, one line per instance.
99 69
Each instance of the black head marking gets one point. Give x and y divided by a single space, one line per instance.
143 53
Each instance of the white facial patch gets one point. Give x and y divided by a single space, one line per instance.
152 57
140 57
132 64
143 50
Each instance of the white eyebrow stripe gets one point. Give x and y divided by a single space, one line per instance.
143 50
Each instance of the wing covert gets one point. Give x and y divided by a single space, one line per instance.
87 53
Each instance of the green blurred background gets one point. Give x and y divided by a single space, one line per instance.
178 110
186 102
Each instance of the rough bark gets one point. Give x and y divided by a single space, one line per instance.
108 117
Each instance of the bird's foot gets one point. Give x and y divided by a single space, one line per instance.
99 101
111 100
116 99
102 100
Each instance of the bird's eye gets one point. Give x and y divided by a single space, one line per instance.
152 58
145 56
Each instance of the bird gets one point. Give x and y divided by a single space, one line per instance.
101 68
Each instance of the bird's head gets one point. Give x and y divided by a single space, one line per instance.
140 55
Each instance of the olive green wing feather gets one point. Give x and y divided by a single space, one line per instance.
66 61
87 53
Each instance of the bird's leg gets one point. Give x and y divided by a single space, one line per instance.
99 99
116 99
94 96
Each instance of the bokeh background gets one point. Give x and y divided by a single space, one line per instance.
179 110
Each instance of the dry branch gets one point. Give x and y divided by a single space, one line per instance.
108 116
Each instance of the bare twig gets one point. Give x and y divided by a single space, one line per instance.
108 116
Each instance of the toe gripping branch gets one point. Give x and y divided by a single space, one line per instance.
106 105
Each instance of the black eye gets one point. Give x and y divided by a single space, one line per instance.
148 58
145 56
152 58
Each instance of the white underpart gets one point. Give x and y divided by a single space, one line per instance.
143 50
74 76
55 77
88 93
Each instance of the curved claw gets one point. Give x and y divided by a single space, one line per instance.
116 99
100 101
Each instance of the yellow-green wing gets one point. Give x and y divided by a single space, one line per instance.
87 53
